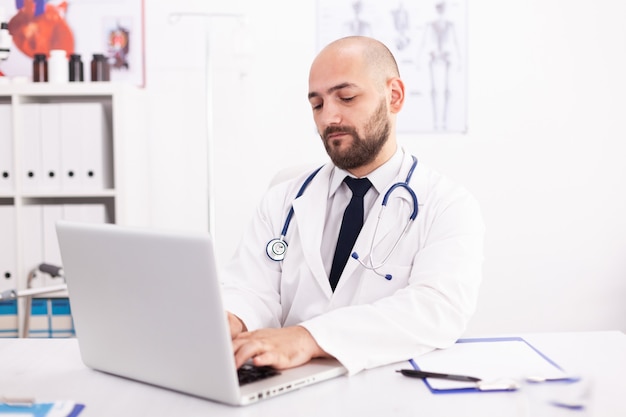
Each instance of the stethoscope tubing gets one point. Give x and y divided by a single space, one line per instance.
305 184
277 247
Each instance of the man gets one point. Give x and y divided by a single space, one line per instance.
284 313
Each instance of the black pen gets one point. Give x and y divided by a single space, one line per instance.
414 373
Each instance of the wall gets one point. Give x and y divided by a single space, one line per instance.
543 153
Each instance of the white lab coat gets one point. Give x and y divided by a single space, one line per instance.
368 321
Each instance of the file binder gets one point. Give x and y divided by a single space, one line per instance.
8 319
6 149
8 255
49 318
86 147
50 114
32 242
71 143
491 360
39 319
97 148
51 213
86 213
40 242
31 147
61 323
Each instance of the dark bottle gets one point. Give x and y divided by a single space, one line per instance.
76 68
40 68
100 68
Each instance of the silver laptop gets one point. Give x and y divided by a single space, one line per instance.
147 306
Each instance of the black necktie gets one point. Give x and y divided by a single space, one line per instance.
350 227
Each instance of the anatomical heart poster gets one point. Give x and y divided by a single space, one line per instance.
113 28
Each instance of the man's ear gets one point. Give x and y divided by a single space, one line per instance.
397 95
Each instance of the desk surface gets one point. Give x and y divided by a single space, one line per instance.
51 369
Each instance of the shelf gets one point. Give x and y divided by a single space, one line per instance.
86 89
69 194
71 120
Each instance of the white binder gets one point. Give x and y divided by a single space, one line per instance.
88 213
8 261
32 242
71 133
97 148
86 147
50 114
6 149
30 149
51 213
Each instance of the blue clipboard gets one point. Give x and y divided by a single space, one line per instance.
491 359
59 408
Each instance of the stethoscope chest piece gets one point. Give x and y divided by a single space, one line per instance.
276 249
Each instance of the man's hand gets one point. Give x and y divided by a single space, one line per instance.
236 325
281 348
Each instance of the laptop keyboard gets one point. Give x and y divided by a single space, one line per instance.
249 373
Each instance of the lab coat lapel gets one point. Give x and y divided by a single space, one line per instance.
310 218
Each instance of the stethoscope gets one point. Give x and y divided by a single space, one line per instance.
277 247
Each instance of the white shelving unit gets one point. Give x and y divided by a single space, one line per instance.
120 196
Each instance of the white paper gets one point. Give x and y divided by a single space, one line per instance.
488 359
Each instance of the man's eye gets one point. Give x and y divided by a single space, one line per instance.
316 106
347 99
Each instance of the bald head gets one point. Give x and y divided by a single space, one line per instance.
373 55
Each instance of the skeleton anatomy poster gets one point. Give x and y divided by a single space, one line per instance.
428 39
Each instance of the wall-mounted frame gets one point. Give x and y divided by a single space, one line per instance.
428 39
114 28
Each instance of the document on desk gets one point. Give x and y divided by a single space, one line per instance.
493 360
19 407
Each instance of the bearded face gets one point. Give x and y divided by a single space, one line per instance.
363 149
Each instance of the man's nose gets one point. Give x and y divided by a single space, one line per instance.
330 115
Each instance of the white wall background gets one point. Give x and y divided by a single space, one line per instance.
544 153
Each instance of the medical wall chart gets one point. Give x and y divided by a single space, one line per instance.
109 27
428 39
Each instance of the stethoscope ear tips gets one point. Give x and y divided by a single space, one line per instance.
386 276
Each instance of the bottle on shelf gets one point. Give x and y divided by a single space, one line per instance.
76 68
100 68
58 70
40 68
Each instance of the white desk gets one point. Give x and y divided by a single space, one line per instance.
50 369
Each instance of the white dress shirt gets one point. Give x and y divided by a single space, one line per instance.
339 196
